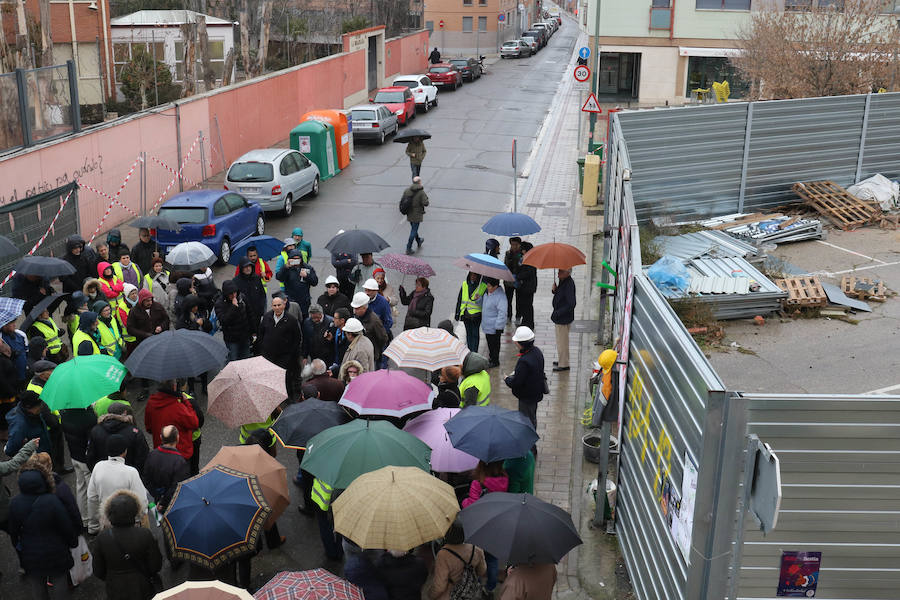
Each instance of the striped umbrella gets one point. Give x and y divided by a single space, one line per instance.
426 348
484 264
317 584
408 265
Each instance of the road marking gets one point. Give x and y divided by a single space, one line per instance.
884 390
854 270
847 250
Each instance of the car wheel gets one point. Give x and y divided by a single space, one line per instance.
434 103
425 106
225 251
315 187
381 138
412 115
260 225
288 207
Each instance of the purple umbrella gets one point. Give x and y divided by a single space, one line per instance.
408 265
387 393
429 428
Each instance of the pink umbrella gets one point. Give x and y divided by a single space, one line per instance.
429 428
246 391
387 393
408 265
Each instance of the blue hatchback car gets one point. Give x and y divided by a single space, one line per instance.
218 219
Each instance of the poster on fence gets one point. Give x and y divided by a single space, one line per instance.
799 575
682 521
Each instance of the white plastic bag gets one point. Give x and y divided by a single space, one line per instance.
877 188
84 566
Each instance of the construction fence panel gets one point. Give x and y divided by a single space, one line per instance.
882 145
840 477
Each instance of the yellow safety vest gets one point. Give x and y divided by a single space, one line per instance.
197 432
321 494
117 269
284 258
249 428
262 270
33 387
480 380
466 304
74 319
125 335
51 334
81 336
110 338
149 280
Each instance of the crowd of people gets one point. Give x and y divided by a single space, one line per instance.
119 297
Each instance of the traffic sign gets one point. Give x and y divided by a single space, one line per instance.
591 105
501 17
584 52
441 24
582 73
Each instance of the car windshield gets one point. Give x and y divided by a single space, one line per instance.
461 62
528 39
250 172
184 214
389 97
363 115
510 44
406 83
438 70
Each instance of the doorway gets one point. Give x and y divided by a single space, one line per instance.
372 62
618 75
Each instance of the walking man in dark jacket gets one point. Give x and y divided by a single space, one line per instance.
298 277
279 340
526 287
237 319
527 381
165 468
562 316
418 200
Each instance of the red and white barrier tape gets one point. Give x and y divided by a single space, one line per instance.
173 171
112 199
176 176
100 224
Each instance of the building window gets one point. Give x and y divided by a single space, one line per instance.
429 25
704 70
482 2
467 25
724 4
124 52
216 60
467 2
661 3
482 23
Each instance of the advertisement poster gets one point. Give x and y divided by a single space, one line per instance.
799 574
681 519
305 146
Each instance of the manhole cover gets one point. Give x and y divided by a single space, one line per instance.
479 167
594 211
555 212
556 204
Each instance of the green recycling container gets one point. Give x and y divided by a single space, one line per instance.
596 148
315 140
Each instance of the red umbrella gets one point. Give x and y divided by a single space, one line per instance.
317 584
554 255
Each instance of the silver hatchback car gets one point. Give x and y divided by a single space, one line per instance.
273 178
373 122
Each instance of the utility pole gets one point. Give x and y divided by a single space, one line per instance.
595 53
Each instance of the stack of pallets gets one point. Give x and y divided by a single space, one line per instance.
803 291
837 204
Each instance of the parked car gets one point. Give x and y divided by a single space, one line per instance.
373 122
274 178
552 23
423 90
531 42
468 67
543 26
540 35
399 100
218 219
445 74
517 48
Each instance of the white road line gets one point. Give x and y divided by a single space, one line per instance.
846 271
847 250
884 390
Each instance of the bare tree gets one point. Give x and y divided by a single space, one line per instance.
844 48
189 37
46 37
206 72
265 22
228 68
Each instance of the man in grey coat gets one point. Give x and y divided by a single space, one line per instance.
416 213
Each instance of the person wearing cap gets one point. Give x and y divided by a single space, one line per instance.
333 298
564 303
86 340
260 267
288 244
119 420
110 476
144 251
111 340
374 328
379 305
305 248
493 318
298 277
26 423
126 270
45 327
361 348
468 308
316 344
528 380
278 339
363 271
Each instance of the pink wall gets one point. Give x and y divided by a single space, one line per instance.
406 55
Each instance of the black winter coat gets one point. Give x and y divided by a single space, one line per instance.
77 424
330 304
239 322
142 255
527 381
421 315
125 580
164 469
254 292
296 287
40 528
279 343
82 264
403 577
29 291
65 495
124 426
315 344
526 279
564 302
188 319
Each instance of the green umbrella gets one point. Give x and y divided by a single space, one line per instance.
81 381
340 454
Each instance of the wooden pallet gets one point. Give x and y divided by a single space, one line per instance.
834 202
865 288
803 291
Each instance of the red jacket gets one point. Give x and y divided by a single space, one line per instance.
170 408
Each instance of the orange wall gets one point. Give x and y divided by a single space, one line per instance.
406 55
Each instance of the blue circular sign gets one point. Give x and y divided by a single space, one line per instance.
501 17
584 52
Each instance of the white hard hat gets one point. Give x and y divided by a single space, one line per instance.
370 284
523 334
332 279
353 326
359 299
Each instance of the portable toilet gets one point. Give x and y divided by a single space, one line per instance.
342 132
315 140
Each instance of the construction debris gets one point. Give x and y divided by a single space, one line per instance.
835 203
803 291
733 288
836 296
713 244
865 288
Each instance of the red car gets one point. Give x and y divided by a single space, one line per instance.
399 100
445 75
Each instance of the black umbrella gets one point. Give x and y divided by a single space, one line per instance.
43 266
519 528
7 248
156 222
410 134
176 354
48 303
357 241
299 422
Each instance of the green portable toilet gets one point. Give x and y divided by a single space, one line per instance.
315 140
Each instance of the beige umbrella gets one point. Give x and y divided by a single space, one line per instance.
204 590
395 508
272 475
246 391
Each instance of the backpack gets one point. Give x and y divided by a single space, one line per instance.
405 203
469 585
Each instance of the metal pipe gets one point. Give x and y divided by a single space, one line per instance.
104 21
74 35
178 144
596 54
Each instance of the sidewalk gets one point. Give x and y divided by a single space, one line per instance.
550 196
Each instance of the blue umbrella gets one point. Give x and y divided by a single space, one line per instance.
484 264
215 517
267 246
10 309
491 433
511 224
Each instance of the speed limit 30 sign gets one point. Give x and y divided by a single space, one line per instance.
582 73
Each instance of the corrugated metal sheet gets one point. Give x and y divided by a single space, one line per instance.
882 137
700 243
668 387
841 493
733 267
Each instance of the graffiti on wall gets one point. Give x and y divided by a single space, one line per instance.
89 165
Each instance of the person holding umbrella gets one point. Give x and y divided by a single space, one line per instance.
414 200
563 314
252 287
531 581
420 303
493 319
528 380
526 288
364 271
415 150
512 259
144 251
30 288
451 562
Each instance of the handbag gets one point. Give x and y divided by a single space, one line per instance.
153 579
83 567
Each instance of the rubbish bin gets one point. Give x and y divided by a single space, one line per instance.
339 120
580 162
315 140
